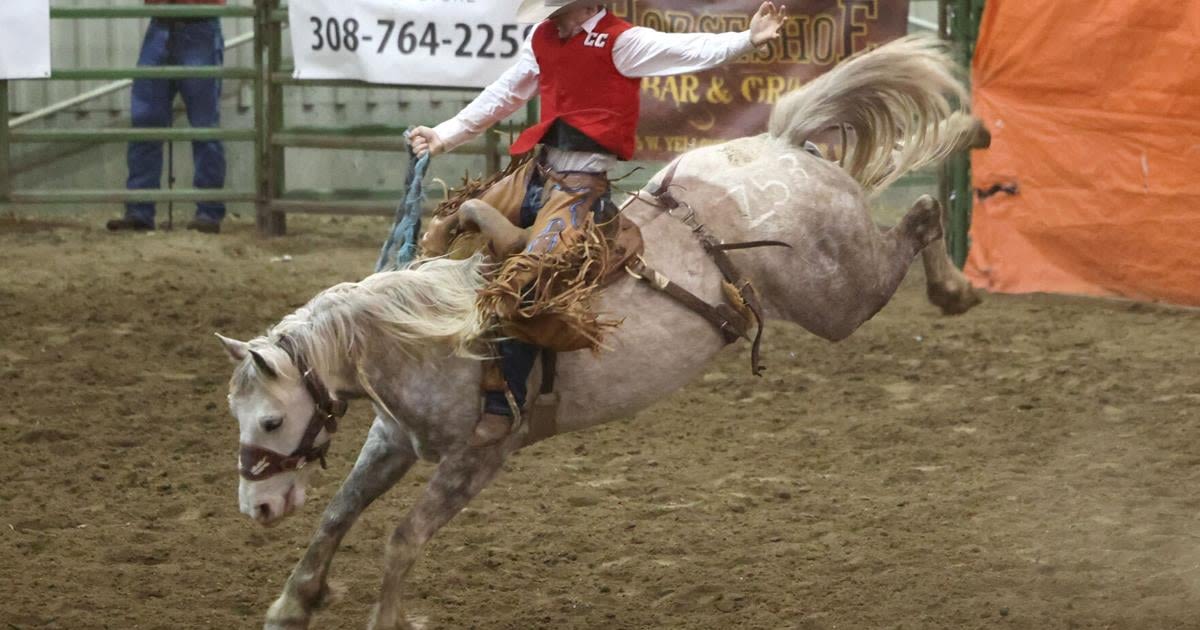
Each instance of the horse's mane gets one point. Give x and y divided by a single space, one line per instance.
428 307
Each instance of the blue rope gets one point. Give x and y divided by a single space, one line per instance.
401 245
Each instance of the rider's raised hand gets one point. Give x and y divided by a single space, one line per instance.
425 140
767 21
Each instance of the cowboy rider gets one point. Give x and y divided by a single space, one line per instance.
587 66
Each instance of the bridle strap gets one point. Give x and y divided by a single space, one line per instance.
256 463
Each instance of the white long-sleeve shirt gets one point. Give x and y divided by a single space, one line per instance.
638 52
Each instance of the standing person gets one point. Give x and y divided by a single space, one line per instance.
586 64
177 42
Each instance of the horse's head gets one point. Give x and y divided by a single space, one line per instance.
285 418
286 412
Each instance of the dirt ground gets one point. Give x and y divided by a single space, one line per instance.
1034 464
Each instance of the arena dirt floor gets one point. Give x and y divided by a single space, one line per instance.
1034 464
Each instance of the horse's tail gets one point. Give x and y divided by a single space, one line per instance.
897 101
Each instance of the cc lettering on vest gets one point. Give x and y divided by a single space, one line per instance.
596 40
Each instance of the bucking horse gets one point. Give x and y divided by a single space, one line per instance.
412 341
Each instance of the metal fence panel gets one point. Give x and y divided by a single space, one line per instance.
359 165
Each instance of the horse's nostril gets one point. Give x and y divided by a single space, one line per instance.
264 511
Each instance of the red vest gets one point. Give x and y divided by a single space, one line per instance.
580 85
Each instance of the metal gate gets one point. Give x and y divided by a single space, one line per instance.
270 135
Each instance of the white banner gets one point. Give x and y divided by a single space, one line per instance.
436 43
24 39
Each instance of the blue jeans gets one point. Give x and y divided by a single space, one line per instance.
175 42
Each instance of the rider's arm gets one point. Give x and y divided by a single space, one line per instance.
500 100
645 52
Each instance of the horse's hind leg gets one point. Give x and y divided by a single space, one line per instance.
858 272
384 459
946 286
881 276
458 479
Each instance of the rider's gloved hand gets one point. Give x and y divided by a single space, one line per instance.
425 140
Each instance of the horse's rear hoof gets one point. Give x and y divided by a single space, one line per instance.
923 223
953 298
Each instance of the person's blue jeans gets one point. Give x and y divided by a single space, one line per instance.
176 42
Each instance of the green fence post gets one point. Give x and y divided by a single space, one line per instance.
959 167
276 222
967 14
958 22
492 142
5 167
943 170
261 188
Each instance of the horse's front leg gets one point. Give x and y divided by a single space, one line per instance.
385 457
459 477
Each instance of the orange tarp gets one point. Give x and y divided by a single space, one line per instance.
1094 109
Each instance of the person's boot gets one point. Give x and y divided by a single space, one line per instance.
125 224
490 429
438 235
205 227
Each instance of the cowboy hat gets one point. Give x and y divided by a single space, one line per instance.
534 11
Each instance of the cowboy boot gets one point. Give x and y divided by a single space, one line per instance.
436 240
490 429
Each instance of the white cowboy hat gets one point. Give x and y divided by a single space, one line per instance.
534 11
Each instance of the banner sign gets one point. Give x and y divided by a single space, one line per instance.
683 112
24 39
435 43
469 43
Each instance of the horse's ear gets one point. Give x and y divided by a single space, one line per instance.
237 350
261 363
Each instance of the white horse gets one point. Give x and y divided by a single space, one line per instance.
409 340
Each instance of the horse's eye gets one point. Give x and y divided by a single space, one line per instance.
270 424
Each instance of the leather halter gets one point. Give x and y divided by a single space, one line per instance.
256 463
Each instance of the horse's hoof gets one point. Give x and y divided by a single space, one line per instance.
286 614
331 593
923 223
953 300
409 622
